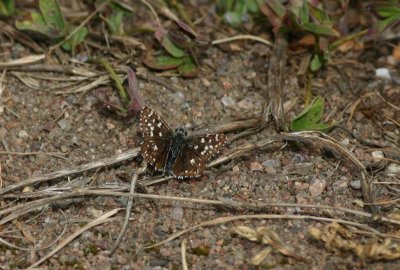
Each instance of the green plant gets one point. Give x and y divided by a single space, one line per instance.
130 101
300 17
388 12
183 45
310 117
49 23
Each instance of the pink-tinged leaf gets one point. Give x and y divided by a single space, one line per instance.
162 62
136 100
186 28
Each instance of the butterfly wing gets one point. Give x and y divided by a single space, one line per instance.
195 154
156 138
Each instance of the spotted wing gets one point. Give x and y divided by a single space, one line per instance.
156 138
195 154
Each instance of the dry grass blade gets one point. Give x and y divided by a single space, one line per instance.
183 254
100 220
270 237
28 81
338 238
27 60
101 80
2 91
266 236
261 256
242 37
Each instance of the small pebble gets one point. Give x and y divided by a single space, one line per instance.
383 73
64 124
377 156
22 134
317 186
94 212
110 125
256 166
345 142
246 104
393 169
356 184
228 101
236 168
205 82
122 259
177 213
271 163
178 97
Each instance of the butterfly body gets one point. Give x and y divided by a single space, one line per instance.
176 146
176 153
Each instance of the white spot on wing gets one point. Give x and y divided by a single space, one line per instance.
160 134
159 124
202 140
192 161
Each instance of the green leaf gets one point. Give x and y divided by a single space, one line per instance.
76 39
384 24
252 6
310 117
320 29
7 8
277 7
114 23
304 15
34 23
52 15
49 23
316 63
188 68
320 15
163 62
162 36
388 10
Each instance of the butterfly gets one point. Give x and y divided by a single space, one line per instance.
174 152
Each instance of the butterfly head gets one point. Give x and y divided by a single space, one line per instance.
181 131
